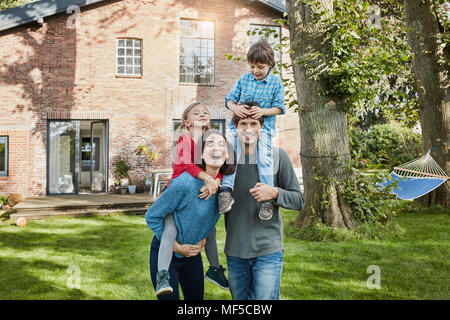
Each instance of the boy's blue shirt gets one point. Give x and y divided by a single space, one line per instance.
195 218
269 93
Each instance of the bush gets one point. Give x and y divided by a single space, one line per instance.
372 206
384 146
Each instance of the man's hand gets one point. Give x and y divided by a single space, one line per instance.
257 112
209 189
263 192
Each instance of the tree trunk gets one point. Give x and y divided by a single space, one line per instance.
431 70
323 128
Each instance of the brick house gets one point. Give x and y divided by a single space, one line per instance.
115 74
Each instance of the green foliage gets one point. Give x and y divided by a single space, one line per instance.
366 63
6 4
122 168
3 199
384 146
369 203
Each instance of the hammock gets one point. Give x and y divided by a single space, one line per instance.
416 178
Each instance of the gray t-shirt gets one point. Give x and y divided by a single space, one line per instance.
247 235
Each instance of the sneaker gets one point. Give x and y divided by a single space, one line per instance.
217 276
162 283
225 202
266 211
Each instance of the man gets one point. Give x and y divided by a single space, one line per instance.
254 247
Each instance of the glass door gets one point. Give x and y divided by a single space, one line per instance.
62 157
98 157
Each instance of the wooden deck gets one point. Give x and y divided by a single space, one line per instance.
81 205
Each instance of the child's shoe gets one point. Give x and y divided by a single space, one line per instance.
266 211
225 202
217 276
162 283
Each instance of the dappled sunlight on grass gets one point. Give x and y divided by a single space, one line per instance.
112 255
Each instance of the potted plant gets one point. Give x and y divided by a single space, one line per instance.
122 172
4 202
149 156
117 186
132 186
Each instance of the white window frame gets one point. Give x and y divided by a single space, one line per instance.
202 45
123 56
5 140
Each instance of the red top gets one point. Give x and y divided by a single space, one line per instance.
183 160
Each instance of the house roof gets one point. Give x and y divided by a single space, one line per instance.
34 11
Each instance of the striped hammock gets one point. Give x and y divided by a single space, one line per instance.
416 178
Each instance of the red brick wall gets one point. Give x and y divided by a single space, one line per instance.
53 72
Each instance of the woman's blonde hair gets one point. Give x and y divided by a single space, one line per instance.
183 129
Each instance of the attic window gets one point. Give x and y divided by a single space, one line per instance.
129 57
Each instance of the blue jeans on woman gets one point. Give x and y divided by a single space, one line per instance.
188 272
256 278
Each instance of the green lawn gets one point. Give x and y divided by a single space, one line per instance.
112 256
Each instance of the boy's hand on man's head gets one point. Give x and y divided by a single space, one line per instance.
240 110
257 112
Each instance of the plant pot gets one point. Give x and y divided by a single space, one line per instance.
132 189
124 182
123 190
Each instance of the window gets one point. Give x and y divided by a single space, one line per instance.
3 156
274 38
197 52
218 124
86 154
129 57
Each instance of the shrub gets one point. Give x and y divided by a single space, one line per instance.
122 168
384 146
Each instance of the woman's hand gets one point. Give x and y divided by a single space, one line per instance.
186 250
209 189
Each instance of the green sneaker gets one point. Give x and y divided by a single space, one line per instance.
162 283
217 276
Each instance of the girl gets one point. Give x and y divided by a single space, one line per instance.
193 219
195 120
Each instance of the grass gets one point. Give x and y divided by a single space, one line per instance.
112 255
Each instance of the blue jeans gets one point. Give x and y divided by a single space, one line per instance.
264 162
257 278
186 272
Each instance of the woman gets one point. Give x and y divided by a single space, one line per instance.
195 218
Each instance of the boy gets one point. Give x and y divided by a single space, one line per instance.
261 86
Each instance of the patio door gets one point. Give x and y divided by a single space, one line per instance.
63 140
77 156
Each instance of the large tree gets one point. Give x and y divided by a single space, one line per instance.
343 65
323 124
429 39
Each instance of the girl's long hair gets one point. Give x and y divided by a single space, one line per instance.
182 130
